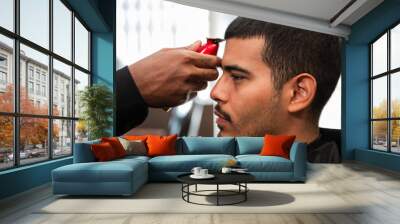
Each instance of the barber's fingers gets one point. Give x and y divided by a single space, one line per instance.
205 60
197 86
192 47
203 74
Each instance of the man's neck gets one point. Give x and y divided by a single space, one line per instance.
305 131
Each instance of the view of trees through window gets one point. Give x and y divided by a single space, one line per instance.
385 92
40 81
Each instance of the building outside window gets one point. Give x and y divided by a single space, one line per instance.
384 91
56 129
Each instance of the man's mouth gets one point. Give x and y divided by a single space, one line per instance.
222 117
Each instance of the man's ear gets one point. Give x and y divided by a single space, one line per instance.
302 89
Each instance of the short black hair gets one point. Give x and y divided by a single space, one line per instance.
290 51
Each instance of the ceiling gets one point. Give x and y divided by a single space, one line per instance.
327 16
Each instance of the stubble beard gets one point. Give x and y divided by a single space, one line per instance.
259 121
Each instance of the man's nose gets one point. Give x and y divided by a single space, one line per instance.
220 90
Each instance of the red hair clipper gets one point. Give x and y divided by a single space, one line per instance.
211 48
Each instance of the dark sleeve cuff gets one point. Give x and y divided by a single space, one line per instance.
131 109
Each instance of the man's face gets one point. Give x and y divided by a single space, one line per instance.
247 103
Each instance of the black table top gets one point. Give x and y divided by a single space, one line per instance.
220 178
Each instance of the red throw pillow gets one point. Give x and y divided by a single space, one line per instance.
103 152
116 145
277 145
161 145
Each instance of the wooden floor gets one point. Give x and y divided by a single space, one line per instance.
377 188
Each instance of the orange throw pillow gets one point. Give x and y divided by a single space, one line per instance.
116 145
161 145
277 145
103 152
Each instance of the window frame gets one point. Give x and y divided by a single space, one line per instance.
388 74
16 114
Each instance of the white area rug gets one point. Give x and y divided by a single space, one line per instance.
166 198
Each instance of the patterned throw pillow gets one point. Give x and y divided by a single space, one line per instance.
133 147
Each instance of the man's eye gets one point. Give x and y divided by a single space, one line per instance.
236 77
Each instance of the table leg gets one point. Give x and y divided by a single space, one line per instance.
245 193
196 188
217 194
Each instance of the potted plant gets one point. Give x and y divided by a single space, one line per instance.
96 104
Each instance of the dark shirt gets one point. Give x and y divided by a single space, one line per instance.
131 109
326 148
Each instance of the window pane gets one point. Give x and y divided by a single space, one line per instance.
35 21
379 97
33 140
62 138
62 89
62 29
6 142
395 136
81 45
81 81
7 14
34 97
379 135
395 47
6 74
379 55
81 131
395 94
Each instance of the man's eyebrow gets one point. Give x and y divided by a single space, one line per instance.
235 68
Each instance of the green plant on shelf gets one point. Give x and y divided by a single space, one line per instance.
96 104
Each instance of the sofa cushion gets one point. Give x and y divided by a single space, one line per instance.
116 145
103 152
206 145
112 171
161 145
249 145
185 163
277 145
83 152
257 163
133 147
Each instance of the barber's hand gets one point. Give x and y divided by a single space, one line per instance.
166 77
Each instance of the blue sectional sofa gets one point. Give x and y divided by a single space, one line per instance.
125 176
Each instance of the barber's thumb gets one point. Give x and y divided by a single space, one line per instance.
194 46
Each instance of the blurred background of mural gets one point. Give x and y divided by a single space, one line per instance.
145 26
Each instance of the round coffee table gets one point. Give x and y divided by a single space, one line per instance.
238 179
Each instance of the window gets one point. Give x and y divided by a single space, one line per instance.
3 78
41 83
30 87
3 61
6 73
44 91
385 96
7 14
30 72
37 75
38 89
81 45
3 71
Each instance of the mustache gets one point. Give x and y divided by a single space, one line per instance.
224 114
